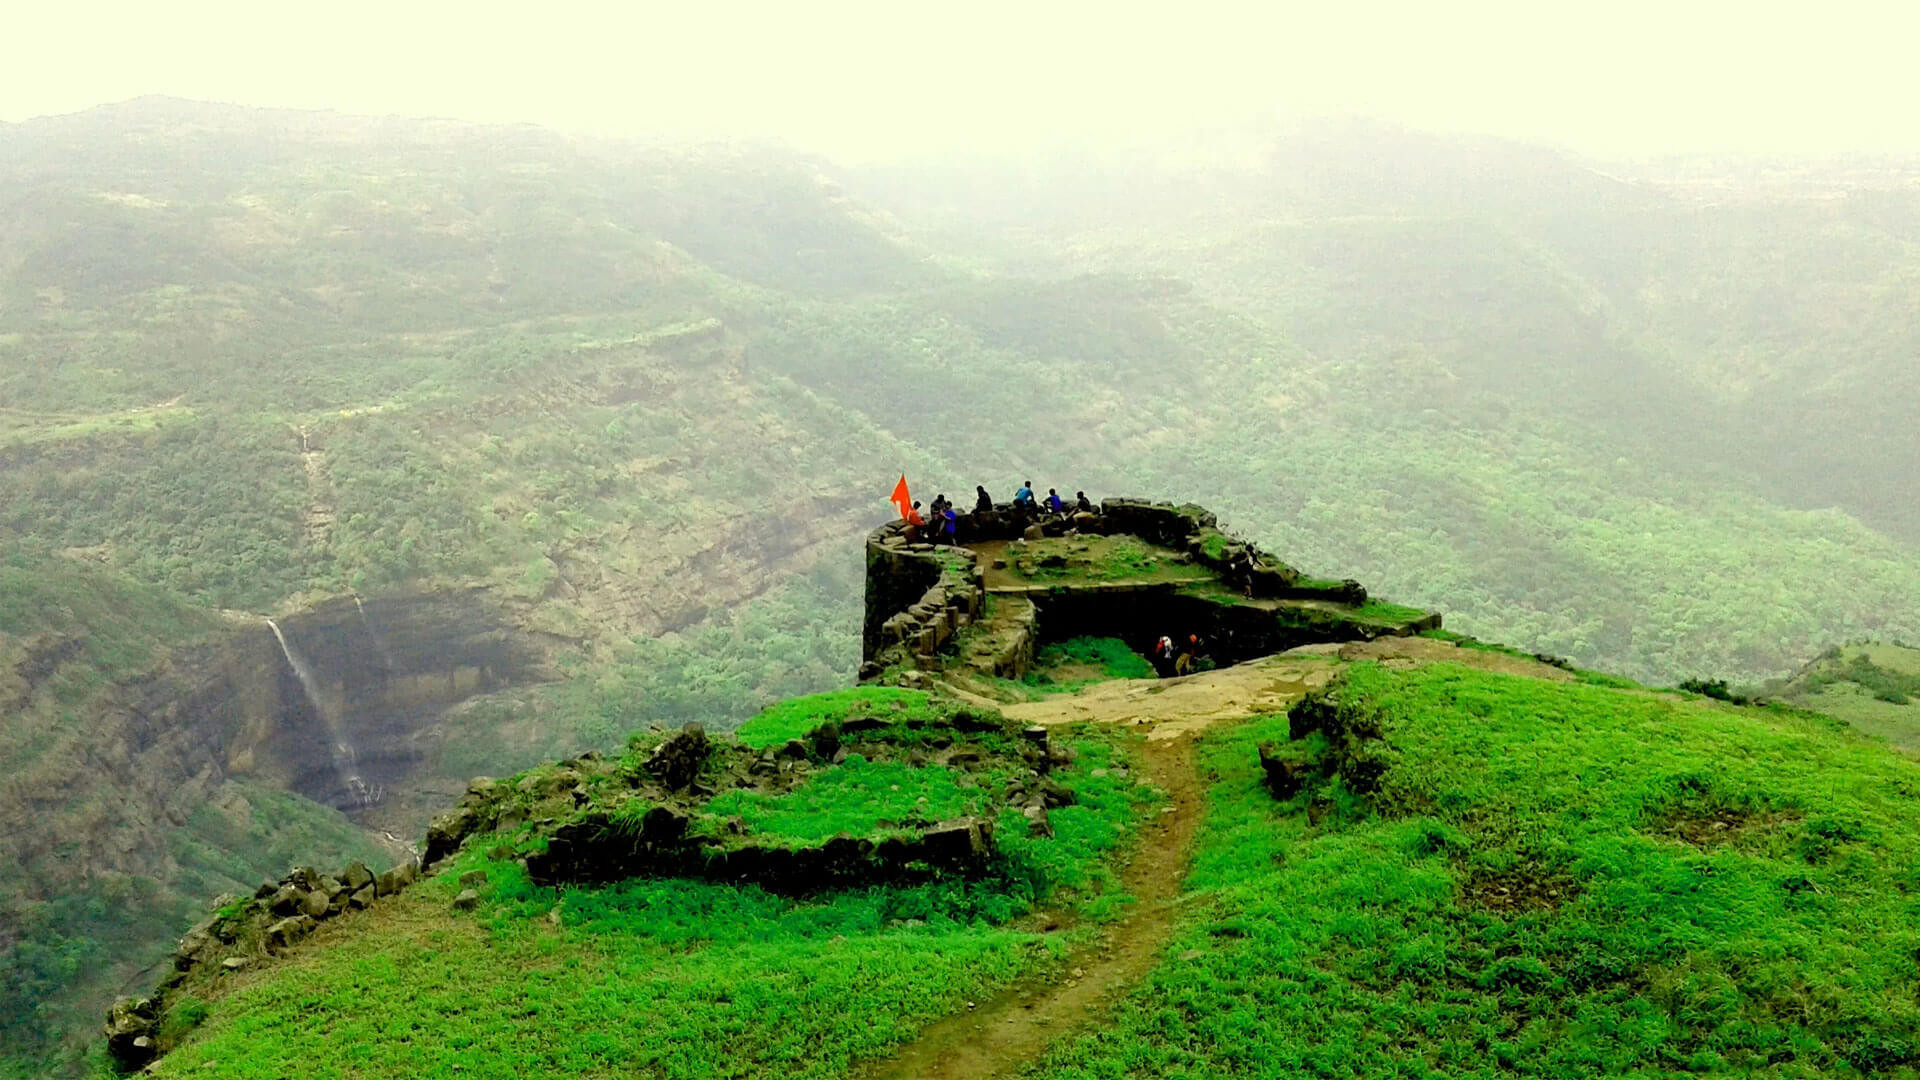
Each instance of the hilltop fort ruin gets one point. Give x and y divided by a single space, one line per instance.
964 614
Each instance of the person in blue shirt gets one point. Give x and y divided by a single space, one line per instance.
1055 503
949 524
1023 499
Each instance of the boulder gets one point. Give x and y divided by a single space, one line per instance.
548 784
1284 778
1037 823
448 832
386 883
678 761
130 1027
356 876
361 899
466 901
1052 794
957 844
234 963
283 934
315 905
287 900
473 879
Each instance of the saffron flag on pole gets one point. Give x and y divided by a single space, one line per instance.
902 500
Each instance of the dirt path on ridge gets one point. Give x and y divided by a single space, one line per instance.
1010 1030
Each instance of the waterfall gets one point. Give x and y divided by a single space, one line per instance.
345 758
374 635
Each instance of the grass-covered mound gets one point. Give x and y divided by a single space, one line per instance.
657 977
882 785
1539 878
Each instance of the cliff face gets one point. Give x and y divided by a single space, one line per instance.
160 791
377 675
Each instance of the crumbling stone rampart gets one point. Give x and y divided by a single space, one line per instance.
919 596
241 934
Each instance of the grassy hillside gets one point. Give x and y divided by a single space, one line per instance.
1547 880
1484 873
666 977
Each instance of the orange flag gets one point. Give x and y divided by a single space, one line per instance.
902 500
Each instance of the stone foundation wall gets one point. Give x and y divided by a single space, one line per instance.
919 596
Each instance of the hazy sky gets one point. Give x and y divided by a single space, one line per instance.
863 80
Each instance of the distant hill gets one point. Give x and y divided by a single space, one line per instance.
1874 687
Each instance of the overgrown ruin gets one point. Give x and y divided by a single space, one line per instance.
1014 580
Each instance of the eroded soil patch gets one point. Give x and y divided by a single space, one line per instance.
1530 887
1723 826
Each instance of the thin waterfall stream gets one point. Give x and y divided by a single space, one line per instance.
345 758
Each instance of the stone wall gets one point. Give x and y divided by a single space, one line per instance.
919 596
239 936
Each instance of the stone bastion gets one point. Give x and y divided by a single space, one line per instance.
1014 580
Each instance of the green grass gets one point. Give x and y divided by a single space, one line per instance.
1110 656
1634 937
668 979
860 798
1094 559
794 718
1394 614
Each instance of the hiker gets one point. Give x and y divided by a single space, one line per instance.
914 522
1189 655
940 505
950 525
1055 503
1082 503
982 502
1163 656
1023 499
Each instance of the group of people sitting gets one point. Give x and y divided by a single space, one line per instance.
940 523
1053 503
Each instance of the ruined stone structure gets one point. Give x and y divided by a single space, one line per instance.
242 933
927 605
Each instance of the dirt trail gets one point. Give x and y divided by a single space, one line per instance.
1011 1030
1007 1032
